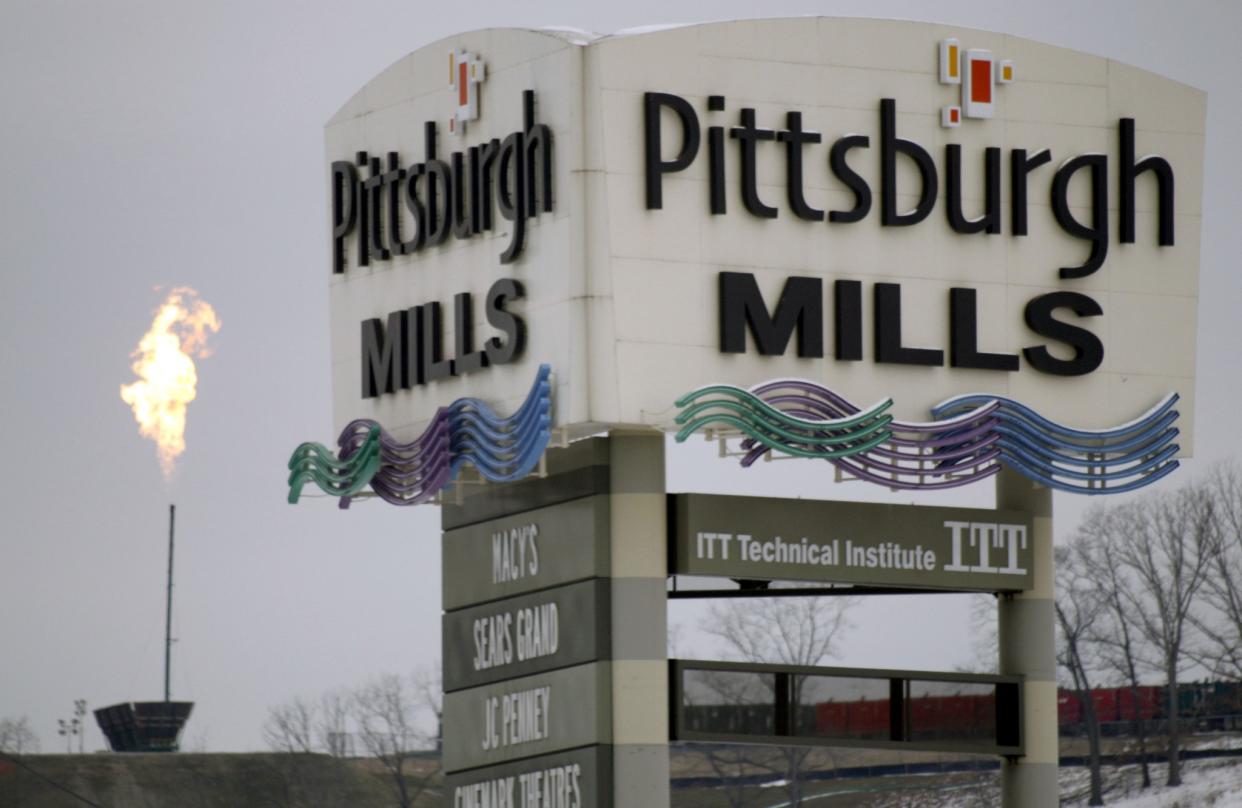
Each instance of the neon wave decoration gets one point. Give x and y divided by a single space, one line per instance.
467 432
342 477
798 432
408 473
972 438
1084 461
919 456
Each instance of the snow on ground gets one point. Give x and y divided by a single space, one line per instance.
1205 784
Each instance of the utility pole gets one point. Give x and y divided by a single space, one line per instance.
172 513
79 715
67 730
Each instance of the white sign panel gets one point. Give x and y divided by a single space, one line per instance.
887 209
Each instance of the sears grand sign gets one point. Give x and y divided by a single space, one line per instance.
894 210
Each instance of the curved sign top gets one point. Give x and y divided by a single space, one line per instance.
887 210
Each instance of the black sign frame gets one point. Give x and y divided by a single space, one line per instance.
1007 740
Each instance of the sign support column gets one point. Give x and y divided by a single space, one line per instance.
1027 639
639 621
555 633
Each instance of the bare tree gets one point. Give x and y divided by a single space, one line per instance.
429 691
1169 549
290 727
1115 634
794 631
1222 588
1078 606
386 714
332 724
984 635
16 736
787 630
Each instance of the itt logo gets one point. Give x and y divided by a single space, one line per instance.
466 73
974 543
978 73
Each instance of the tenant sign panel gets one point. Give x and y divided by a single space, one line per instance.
859 543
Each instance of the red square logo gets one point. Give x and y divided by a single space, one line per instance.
981 81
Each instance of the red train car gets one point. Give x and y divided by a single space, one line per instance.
853 719
1145 705
1069 708
958 716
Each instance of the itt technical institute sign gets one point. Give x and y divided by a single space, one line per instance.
889 209
868 544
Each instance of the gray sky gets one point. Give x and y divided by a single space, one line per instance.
168 143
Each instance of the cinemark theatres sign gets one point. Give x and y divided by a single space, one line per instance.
873 206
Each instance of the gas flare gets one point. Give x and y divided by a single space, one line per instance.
167 378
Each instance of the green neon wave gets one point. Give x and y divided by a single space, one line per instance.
751 431
779 430
746 408
807 435
316 463
772 412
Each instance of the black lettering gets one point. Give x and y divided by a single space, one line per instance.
794 139
747 136
847 299
415 206
847 175
439 190
468 360
964 336
374 191
364 218
538 158
1097 233
1019 167
502 351
656 165
800 308
435 366
489 152
890 147
344 212
413 350
384 367
393 184
465 198
1129 173
989 222
511 193
888 347
1088 350
715 158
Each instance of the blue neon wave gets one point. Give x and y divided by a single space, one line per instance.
1082 461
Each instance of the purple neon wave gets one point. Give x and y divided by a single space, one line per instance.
920 456
409 473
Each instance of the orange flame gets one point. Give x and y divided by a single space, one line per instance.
164 364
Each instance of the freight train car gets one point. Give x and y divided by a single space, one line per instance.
1201 706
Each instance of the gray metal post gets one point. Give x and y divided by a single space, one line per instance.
172 513
1027 635
639 567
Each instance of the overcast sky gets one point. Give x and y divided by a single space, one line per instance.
163 143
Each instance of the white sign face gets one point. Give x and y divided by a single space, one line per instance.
472 290
887 209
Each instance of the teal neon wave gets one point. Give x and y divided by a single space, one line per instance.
735 408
